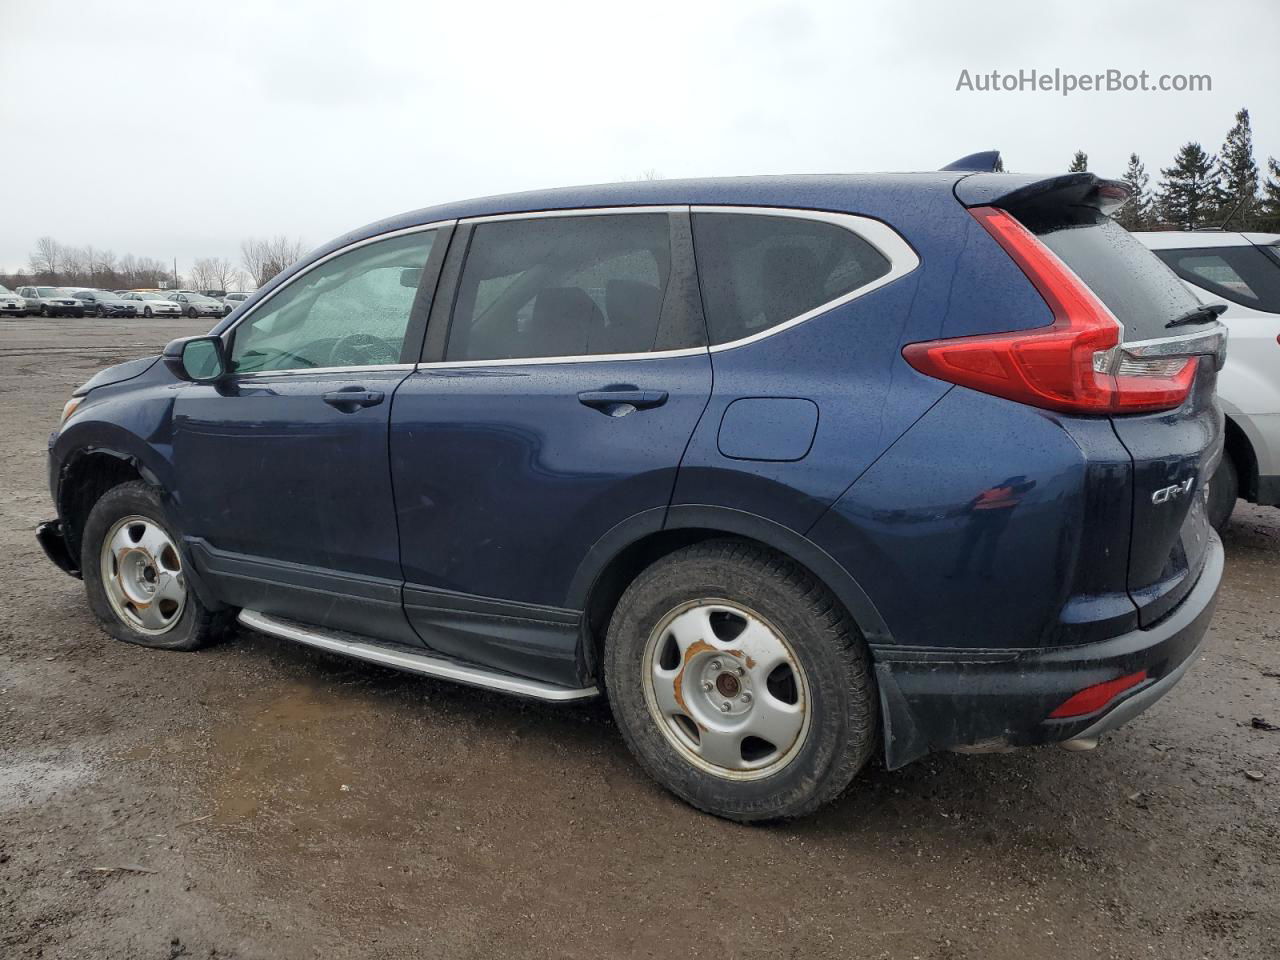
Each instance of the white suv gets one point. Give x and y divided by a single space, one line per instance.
1241 271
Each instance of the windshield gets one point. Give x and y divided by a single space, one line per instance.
48 291
196 298
149 296
4 289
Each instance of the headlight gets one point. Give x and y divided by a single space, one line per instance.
69 408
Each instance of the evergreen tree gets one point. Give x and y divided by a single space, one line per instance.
1136 214
1079 163
1271 189
1237 187
1186 195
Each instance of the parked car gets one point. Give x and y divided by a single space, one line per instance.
153 304
894 464
103 303
51 301
11 303
1240 272
198 305
235 298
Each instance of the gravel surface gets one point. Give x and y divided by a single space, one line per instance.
262 800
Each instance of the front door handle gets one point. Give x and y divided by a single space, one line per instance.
618 403
351 399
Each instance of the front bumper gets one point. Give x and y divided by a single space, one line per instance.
53 541
992 699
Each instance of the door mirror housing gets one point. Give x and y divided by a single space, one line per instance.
196 359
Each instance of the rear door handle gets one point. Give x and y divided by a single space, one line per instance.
618 403
351 399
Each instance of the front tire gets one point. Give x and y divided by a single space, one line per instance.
134 574
99 312
740 683
191 312
146 312
1224 490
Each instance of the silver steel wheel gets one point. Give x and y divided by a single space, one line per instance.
142 574
726 689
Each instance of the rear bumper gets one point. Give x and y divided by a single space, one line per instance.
991 699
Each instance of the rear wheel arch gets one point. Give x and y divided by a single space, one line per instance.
606 574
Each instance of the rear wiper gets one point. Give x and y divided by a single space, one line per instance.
1200 314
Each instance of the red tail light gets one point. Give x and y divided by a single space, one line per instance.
1066 366
1092 699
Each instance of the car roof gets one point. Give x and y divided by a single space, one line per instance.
856 193
1182 239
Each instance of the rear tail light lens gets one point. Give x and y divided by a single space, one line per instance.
1094 698
1069 365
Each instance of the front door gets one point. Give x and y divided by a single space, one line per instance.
572 376
284 489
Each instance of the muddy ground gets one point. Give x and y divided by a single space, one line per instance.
261 800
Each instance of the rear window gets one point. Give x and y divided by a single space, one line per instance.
1243 275
1141 291
758 271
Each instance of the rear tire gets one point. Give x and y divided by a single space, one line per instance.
44 311
1224 490
134 575
740 683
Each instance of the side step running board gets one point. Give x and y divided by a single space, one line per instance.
413 662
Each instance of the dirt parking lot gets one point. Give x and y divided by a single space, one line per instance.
262 800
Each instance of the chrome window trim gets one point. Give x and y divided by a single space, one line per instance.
405 231
902 261
576 212
355 371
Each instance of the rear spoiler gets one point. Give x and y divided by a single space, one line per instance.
1029 193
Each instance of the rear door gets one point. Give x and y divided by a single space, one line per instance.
563 380
1175 452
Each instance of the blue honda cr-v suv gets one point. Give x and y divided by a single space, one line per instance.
794 469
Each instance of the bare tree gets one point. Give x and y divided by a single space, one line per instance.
263 259
46 260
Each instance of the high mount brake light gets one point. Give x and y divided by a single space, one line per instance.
1069 365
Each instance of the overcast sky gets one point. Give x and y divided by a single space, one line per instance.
167 128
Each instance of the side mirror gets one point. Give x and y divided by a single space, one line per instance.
196 359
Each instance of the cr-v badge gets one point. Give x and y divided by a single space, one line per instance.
1165 494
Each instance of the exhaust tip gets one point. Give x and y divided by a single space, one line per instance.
1080 744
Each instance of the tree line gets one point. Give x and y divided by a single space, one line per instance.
58 265
1202 189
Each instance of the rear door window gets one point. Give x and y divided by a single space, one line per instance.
760 270
567 286
1243 275
1142 292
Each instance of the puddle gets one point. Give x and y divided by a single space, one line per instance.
298 751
